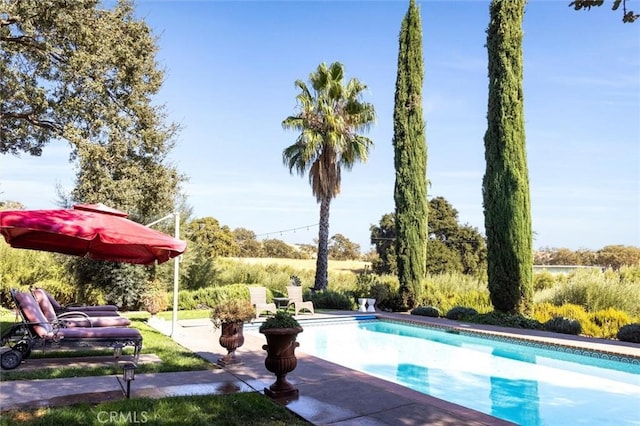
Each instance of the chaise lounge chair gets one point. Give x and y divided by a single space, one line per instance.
75 319
35 332
94 311
259 300
295 299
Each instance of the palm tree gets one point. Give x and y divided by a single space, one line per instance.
329 117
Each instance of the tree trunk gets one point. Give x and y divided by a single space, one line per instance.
322 262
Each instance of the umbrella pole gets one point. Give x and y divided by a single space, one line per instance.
176 277
176 270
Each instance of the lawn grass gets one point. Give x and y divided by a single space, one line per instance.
246 408
241 409
174 356
184 315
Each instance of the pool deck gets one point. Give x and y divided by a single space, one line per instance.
329 394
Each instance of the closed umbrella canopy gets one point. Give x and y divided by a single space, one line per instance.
93 230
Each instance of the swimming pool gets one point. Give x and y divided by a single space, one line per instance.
527 385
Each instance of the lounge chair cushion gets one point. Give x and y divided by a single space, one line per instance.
45 330
76 319
99 333
59 308
33 314
70 322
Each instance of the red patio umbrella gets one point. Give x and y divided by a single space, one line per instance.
92 230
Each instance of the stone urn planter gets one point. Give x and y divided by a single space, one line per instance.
281 332
230 316
231 338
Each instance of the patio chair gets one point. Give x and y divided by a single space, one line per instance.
75 319
94 310
258 297
35 332
295 299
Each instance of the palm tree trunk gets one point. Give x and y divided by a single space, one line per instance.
322 262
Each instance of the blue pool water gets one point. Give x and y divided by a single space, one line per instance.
527 385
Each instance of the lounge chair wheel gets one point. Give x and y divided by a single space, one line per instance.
24 349
10 359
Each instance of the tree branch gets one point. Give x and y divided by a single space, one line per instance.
32 119
8 21
19 39
628 16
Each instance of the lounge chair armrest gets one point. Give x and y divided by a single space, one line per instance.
73 314
33 323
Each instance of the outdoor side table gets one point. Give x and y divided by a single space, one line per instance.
281 302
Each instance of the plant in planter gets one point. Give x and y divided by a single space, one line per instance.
154 297
230 316
281 331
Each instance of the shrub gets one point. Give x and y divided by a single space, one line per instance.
295 281
459 313
282 319
455 289
233 272
394 303
212 296
381 288
275 276
62 291
23 268
503 319
629 333
426 311
573 292
630 275
232 310
604 323
364 282
563 325
597 290
543 280
543 312
476 299
609 322
383 295
123 283
329 299
154 297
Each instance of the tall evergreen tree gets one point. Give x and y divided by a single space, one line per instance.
410 192
507 207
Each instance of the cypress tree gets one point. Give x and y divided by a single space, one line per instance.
505 186
410 151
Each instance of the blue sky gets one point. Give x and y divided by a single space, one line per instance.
230 72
